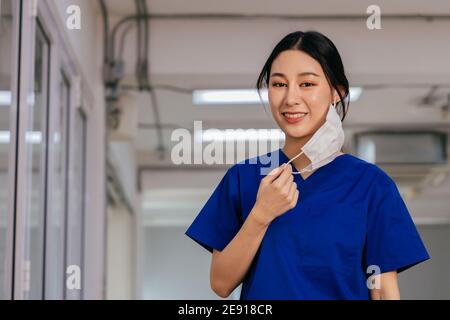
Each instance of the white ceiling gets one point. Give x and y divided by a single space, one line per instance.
300 7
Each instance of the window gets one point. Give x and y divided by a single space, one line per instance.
56 221
36 156
42 156
76 212
8 53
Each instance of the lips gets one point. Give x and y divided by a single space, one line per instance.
294 117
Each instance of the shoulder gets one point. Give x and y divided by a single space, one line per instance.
370 174
359 165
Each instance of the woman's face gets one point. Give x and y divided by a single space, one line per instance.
299 94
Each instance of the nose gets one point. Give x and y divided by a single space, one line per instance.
293 96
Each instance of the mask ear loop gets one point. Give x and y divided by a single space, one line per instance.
302 170
305 169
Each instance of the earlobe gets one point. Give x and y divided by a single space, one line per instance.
336 98
335 101
336 94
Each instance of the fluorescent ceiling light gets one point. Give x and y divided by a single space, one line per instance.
227 96
33 137
4 137
216 135
244 96
355 93
5 98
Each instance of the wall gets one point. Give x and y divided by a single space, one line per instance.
174 267
120 255
429 280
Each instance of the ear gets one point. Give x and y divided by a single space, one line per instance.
336 97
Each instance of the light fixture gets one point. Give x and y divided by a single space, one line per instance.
244 96
355 93
228 96
5 98
4 137
251 135
32 137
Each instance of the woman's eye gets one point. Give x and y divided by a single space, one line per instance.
280 84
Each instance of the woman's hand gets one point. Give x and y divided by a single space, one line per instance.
277 194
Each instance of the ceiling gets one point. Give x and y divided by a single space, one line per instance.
323 7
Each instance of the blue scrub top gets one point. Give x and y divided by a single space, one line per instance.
349 216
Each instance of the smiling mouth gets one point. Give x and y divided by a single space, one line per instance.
294 115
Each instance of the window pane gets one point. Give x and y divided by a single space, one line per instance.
77 199
35 138
8 16
57 207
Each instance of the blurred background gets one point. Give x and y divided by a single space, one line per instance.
92 94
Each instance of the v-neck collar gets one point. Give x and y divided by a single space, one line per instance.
284 159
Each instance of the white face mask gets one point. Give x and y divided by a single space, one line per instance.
325 144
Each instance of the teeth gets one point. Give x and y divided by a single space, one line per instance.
294 115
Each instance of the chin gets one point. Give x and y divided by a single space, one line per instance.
297 133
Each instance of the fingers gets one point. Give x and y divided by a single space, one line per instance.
275 173
284 178
289 193
292 188
294 201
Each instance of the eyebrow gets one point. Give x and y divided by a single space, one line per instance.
300 74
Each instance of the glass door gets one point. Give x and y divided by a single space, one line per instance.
9 37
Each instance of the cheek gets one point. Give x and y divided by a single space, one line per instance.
275 101
315 98
317 103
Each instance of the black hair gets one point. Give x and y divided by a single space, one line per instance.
321 49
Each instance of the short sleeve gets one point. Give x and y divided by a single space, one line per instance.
220 218
392 239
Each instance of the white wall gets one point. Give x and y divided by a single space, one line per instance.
431 279
120 272
121 226
174 267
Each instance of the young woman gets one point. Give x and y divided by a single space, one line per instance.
324 224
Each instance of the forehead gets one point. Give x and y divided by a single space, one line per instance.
292 62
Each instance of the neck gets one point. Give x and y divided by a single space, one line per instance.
292 147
